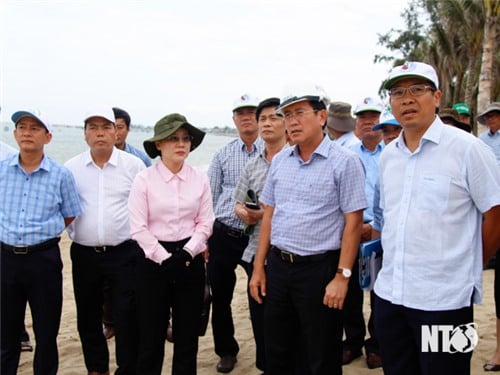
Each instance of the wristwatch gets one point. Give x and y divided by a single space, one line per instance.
346 272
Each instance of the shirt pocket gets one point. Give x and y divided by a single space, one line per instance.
433 192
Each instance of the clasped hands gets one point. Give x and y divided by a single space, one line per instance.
177 264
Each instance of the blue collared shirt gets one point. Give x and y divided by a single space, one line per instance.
370 162
433 200
224 173
140 154
310 198
492 140
33 205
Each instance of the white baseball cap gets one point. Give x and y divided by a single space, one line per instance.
412 69
304 91
104 112
369 104
35 113
245 101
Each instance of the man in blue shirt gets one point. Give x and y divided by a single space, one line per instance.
228 240
491 118
314 201
38 199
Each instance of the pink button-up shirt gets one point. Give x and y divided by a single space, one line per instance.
164 206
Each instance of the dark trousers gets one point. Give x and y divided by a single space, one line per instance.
90 271
257 319
294 308
225 255
157 293
35 278
354 322
399 335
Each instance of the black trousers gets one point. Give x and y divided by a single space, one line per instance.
354 322
294 308
35 278
399 335
157 293
257 319
225 255
91 270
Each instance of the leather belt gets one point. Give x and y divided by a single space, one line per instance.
23 250
105 248
230 231
288 257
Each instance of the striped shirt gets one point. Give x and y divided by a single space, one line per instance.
33 205
310 198
253 177
224 173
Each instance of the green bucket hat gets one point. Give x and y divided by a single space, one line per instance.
168 125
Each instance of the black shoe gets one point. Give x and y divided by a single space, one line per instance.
348 356
226 364
491 263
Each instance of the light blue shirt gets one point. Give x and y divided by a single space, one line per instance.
33 205
347 140
140 154
224 173
370 162
310 198
433 200
492 140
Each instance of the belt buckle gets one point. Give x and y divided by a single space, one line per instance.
20 250
100 249
234 233
286 256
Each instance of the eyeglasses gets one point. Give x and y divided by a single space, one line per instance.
414 90
175 138
271 118
298 115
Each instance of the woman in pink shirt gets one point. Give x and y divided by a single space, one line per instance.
171 218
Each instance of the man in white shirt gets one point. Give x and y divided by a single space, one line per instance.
440 195
102 249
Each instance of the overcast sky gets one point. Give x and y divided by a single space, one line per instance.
155 57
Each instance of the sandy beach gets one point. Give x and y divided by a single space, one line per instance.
71 358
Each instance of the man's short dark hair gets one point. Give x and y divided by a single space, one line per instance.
121 113
271 102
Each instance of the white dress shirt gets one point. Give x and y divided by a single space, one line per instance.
432 201
104 196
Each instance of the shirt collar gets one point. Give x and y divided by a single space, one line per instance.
45 165
432 134
258 144
167 174
113 159
322 149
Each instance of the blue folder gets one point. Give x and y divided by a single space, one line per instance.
370 262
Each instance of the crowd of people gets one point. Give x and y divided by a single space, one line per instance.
290 199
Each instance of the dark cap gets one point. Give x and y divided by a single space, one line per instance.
340 118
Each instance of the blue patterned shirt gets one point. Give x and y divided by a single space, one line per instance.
310 198
492 140
224 173
33 205
140 154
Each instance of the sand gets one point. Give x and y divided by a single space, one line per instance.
71 358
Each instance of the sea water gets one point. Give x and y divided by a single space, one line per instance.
68 141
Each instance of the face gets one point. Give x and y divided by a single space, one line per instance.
31 135
271 126
175 148
492 120
100 134
415 112
121 133
245 121
390 133
365 121
304 124
465 119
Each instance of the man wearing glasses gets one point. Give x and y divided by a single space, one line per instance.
314 200
436 184
102 250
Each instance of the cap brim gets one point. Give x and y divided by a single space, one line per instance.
389 83
392 122
20 114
